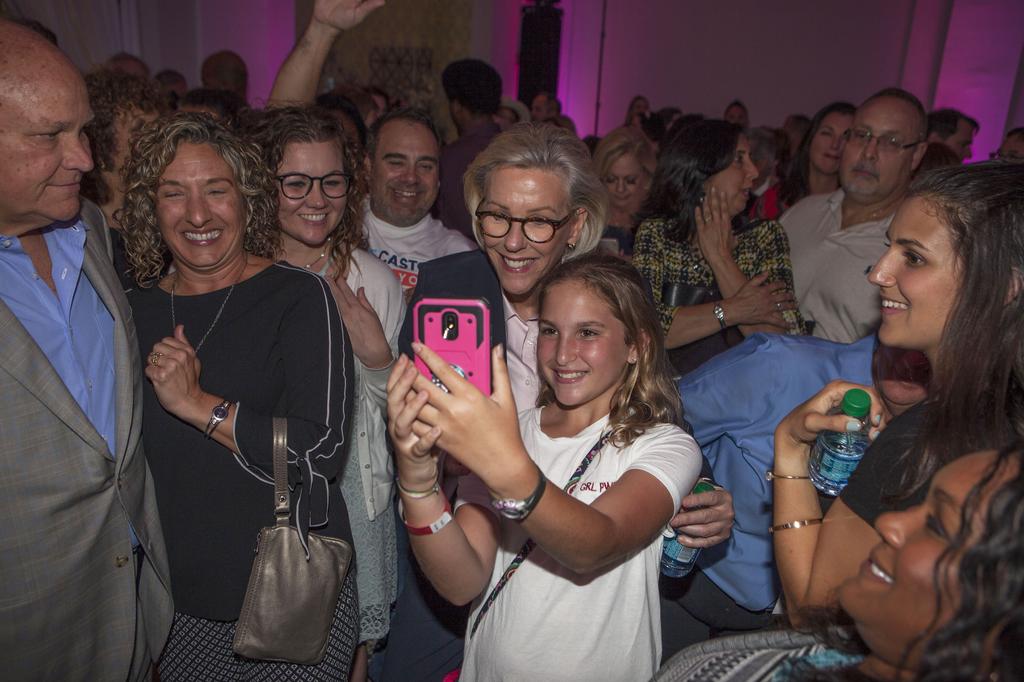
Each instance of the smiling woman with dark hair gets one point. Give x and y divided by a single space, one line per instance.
941 596
815 168
715 278
950 288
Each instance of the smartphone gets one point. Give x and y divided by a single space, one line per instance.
458 330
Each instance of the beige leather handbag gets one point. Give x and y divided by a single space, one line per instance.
290 601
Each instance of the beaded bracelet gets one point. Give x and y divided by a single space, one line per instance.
793 524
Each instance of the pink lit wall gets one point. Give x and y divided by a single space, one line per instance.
781 57
261 31
495 39
980 64
180 35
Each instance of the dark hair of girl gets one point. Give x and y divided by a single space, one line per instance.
647 396
981 641
796 185
976 398
687 160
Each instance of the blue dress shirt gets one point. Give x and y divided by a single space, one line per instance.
734 402
73 329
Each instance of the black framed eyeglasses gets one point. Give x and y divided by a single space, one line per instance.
299 185
537 229
887 144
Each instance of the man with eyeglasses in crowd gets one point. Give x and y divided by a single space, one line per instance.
402 160
835 238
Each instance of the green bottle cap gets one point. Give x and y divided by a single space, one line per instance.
856 403
702 487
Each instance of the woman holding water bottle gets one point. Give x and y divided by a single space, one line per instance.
951 287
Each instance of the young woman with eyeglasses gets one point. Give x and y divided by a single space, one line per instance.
319 211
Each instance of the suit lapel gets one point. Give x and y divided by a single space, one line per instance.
97 268
28 366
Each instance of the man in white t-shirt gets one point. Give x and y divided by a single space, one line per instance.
834 239
402 163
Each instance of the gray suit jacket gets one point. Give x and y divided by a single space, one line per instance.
68 608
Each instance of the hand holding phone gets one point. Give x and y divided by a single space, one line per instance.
458 330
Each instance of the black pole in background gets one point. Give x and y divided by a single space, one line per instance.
600 64
539 44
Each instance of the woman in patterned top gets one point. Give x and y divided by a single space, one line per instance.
714 278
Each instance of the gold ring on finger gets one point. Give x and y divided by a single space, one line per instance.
154 358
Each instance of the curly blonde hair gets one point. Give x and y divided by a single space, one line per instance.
274 129
153 150
647 396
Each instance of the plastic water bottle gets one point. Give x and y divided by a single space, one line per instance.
678 560
837 453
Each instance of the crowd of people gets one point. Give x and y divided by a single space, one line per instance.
686 299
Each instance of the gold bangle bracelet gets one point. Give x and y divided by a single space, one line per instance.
418 494
793 524
771 475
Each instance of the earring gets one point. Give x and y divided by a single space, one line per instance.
570 246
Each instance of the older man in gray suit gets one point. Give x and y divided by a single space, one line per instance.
84 590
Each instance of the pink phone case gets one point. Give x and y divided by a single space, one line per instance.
459 330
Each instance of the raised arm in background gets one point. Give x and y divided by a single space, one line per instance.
299 74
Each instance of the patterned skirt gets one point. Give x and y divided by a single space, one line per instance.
199 650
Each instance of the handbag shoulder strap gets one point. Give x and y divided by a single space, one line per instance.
528 546
282 498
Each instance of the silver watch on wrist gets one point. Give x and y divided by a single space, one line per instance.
217 415
518 510
720 314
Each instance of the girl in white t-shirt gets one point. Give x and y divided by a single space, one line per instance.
591 476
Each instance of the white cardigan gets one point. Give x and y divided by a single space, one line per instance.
376 466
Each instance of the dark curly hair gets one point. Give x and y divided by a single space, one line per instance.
153 151
274 129
691 156
112 94
982 639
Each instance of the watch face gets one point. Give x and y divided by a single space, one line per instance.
220 412
510 509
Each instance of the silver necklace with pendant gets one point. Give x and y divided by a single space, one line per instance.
216 318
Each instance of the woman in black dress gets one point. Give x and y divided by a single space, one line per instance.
232 340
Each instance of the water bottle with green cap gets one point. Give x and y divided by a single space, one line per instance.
837 453
678 560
